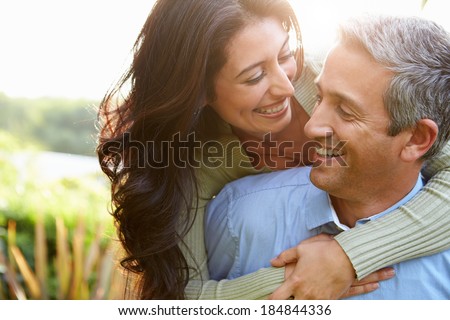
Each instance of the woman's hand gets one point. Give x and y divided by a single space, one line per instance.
318 268
369 283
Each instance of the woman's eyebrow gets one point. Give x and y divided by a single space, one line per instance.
254 65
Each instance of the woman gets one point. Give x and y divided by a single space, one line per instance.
190 124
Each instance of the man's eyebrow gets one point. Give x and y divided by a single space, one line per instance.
254 65
341 95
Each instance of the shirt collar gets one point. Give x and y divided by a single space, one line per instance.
319 211
409 196
317 208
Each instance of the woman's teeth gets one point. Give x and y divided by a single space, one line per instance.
271 110
328 152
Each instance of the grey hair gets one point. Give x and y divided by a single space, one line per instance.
417 51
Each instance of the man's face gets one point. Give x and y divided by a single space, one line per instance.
356 156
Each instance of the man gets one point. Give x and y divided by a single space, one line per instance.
382 110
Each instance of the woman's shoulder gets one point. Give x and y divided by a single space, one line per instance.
305 89
221 160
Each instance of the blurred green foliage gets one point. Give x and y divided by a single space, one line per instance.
28 198
60 125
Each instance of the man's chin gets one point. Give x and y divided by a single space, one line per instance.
322 176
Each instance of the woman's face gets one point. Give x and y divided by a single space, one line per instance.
253 88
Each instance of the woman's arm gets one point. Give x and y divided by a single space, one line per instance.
254 286
421 227
257 285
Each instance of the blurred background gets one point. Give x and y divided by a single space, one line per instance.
58 58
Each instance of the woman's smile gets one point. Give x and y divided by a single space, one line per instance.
275 110
254 88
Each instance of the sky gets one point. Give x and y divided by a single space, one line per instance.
79 48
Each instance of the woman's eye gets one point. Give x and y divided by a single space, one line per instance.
257 78
287 56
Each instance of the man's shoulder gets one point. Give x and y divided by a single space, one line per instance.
295 177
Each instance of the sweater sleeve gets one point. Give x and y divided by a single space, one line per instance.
420 227
257 285
254 286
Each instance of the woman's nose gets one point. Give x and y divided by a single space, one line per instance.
282 83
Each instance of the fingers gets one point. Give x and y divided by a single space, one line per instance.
283 292
369 283
380 275
287 256
357 290
289 269
291 255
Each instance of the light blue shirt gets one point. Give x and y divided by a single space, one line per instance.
255 218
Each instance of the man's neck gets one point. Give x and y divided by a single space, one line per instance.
350 210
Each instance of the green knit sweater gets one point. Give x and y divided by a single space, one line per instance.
421 227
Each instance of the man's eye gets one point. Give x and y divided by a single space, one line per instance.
318 99
344 113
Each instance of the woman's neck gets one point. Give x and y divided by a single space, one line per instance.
285 149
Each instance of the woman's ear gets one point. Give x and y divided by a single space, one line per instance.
422 138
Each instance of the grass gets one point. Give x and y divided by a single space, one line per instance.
56 236
79 270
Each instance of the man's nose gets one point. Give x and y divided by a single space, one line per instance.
319 126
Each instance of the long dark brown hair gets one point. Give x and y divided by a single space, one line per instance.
177 55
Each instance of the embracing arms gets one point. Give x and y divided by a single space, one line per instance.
420 227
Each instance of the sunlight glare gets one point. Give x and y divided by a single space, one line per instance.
79 48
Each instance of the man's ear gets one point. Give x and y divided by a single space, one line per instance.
421 139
